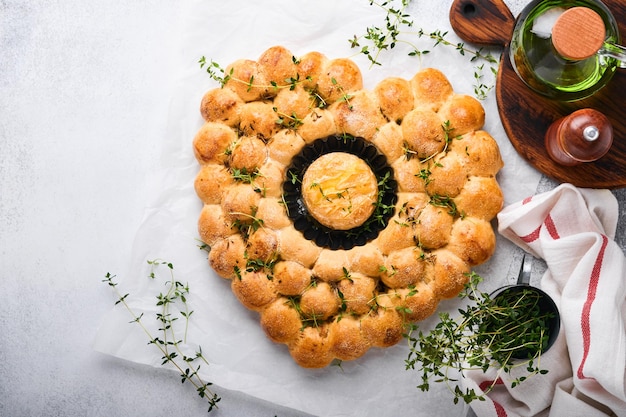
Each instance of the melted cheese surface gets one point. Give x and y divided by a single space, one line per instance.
340 190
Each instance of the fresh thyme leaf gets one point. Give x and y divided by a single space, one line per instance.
447 138
242 175
258 264
171 346
345 97
249 225
489 333
398 27
218 73
445 202
425 174
289 121
215 71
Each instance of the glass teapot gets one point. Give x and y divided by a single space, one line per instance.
566 49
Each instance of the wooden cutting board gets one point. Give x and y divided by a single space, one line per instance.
527 115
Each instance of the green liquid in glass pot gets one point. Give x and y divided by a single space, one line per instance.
541 67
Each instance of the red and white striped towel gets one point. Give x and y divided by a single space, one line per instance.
572 229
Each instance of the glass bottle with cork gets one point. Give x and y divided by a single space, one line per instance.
566 50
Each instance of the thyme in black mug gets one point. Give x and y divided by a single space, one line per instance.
502 332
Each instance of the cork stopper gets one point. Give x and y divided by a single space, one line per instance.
578 33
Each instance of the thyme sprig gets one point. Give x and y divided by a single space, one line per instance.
168 341
308 319
447 202
215 70
382 210
289 121
447 138
245 176
504 333
247 224
218 73
399 28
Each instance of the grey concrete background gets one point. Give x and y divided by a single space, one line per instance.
74 90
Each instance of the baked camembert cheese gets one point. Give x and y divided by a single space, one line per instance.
340 190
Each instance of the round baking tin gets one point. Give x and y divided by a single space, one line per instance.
311 228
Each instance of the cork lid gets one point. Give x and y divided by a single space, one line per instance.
578 33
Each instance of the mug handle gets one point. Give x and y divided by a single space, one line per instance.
614 51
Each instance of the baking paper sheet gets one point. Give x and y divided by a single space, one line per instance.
241 357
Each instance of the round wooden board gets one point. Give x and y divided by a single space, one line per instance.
527 115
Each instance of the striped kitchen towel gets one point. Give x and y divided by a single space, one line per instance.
573 230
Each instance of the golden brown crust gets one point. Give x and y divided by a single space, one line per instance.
278 66
338 78
312 348
365 260
240 204
263 246
388 139
423 133
221 105
254 289
447 176
293 104
479 154
416 303
448 274
408 172
212 142
324 303
357 293
403 268
211 181
433 226
318 124
348 342
331 265
359 116
227 256
258 118
396 236
431 89
473 240
291 278
213 225
464 113
481 197
284 145
270 178
272 211
247 153
247 80
319 302
383 327
310 67
296 247
281 322
395 98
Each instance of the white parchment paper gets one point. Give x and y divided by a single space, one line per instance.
241 357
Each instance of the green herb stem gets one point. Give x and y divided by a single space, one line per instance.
398 27
169 345
490 334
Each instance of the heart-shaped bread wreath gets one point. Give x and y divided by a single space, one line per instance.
337 213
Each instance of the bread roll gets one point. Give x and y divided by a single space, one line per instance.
421 167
